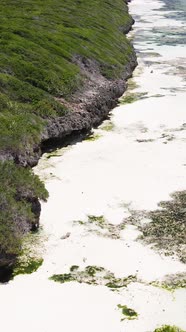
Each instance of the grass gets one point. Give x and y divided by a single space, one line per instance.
18 187
42 44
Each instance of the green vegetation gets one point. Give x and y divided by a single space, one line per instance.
92 270
44 45
128 313
168 328
29 267
62 278
74 268
98 220
116 283
30 256
172 282
107 126
100 226
93 275
132 85
168 227
93 137
131 97
18 192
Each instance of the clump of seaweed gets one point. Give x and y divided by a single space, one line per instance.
107 126
129 98
28 267
167 230
172 282
168 328
92 137
100 226
94 275
127 313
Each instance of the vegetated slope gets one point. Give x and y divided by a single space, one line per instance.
49 52
19 208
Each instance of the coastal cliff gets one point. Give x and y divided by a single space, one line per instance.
63 67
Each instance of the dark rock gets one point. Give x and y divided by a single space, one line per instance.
89 108
6 266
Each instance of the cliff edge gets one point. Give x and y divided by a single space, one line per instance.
63 66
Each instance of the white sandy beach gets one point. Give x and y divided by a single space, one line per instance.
136 164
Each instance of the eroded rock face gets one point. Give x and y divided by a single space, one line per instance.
6 266
89 107
89 110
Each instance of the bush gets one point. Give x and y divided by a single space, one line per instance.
18 187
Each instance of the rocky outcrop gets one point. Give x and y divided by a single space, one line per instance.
6 266
89 108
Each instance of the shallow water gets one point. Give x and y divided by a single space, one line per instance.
136 160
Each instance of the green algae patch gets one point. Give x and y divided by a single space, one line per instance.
167 229
151 54
62 278
172 282
93 275
80 222
93 137
116 283
56 153
132 85
92 270
30 257
101 227
28 267
74 268
130 98
98 220
108 126
168 226
127 313
168 328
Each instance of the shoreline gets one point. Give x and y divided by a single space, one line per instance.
89 108
105 195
